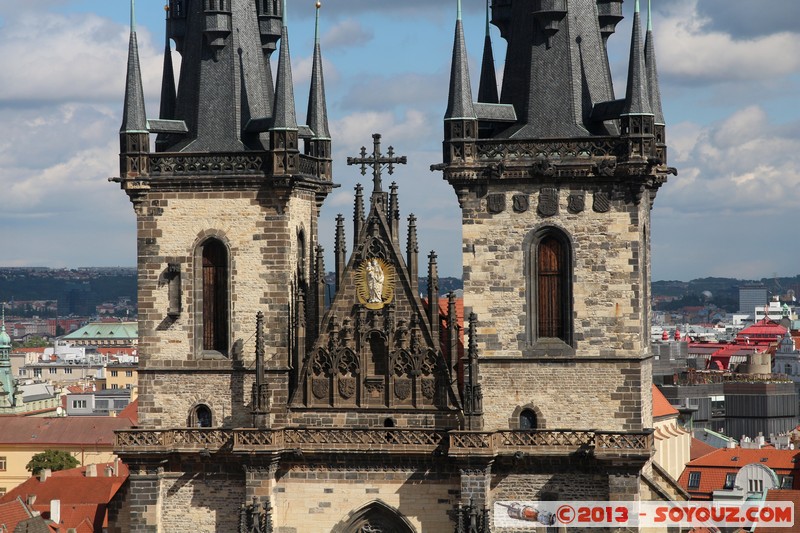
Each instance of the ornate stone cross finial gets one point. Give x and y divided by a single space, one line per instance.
377 162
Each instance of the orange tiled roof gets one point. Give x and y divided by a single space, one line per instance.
661 406
131 412
775 459
83 499
700 449
13 512
782 496
76 430
714 467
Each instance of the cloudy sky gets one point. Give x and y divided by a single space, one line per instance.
729 71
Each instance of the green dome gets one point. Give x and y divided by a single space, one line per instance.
5 340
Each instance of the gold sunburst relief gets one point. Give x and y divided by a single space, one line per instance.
375 283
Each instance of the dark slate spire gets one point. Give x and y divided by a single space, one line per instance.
284 115
556 68
134 117
168 94
459 100
652 70
317 109
637 99
487 90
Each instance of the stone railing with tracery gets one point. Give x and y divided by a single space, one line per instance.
226 164
498 150
234 163
388 440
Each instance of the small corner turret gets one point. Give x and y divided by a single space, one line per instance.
460 120
134 135
319 143
637 120
284 131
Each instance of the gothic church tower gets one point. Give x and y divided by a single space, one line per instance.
556 183
227 209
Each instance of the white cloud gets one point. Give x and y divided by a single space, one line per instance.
743 164
347 33
60 58
692 51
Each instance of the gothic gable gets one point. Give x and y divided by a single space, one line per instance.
376 348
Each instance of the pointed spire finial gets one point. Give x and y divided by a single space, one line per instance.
487 88
653 86
316 25
649 15
284 117
134 116
459 100
637 98
317 116
133 16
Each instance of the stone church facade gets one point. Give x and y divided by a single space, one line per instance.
264 409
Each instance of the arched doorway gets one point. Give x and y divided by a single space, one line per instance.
375 517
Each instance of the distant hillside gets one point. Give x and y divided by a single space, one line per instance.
78 291
724 292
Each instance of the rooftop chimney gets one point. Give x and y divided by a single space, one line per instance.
30 500
55 511
45 474
91 470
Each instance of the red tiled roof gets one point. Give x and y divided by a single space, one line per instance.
79 430
699 449
763 329
661 406
83 499
116 351
83 518
131 412
12 513
782 496
714 466
775 459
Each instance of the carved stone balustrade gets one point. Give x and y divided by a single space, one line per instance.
223 164
602 444
236 163
554 149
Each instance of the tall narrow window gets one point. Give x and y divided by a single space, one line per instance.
551 288
215 297
549 284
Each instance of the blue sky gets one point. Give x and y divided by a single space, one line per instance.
730 72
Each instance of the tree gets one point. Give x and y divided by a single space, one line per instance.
55 460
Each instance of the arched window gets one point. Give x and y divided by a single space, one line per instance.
550 281
550 286
200 417
215 296
527 420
